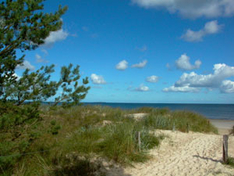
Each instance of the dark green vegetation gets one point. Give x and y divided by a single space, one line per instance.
78 140
24 27
230 162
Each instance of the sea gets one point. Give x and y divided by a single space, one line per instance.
210 111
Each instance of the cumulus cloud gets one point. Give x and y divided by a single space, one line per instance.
122 65
142 88
183 63
191 8
140 65
216 80
25 65
211 27
227 86
97 79
55 36
152 79
39 59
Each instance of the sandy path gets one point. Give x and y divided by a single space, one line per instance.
183 154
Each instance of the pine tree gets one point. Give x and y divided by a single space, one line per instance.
23 26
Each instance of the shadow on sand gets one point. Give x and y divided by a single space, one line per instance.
207 158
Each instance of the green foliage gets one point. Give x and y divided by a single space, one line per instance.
36 86
120 143
180 120
88 133
230 162
73 165
54 127
23 26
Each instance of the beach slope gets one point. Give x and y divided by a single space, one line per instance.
183 154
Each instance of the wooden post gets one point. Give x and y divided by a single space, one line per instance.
173 129
225 148
187 127
232 131
139 140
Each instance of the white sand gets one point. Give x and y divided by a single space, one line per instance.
180 154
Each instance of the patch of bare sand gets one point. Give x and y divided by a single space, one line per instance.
224 126
180 154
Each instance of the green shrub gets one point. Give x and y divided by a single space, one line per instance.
120 143
230 162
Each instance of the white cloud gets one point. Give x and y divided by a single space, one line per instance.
55 37
140 65
97 79
25 65
192 8
152 79
227 86
221 72
211 27
122 65
142 88
39 59
210 81
183 63
181 89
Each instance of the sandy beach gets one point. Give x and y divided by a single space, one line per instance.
223 126
181 154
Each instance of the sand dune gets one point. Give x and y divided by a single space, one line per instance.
183 154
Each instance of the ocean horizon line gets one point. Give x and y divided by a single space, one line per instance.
159 103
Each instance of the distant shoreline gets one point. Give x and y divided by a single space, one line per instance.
210 111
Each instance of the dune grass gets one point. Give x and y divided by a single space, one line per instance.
79 140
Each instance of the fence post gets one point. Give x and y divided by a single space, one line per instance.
187 127
139 140
225 148
173 129
233 130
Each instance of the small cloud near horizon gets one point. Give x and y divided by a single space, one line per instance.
97 79
122 65
193 82
142 88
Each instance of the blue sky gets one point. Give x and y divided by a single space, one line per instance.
145 51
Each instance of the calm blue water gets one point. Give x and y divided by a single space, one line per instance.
211 111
